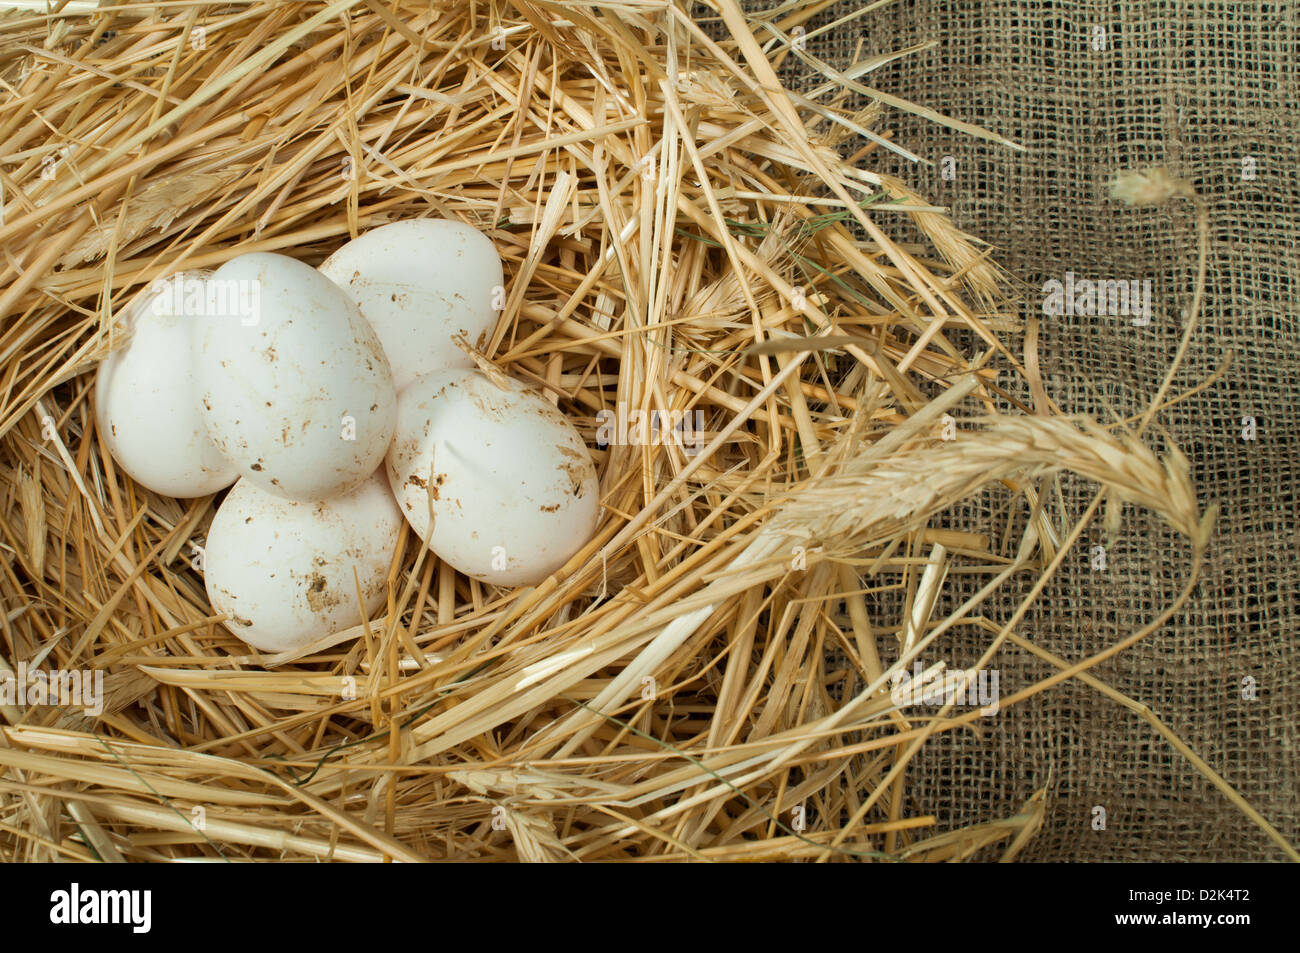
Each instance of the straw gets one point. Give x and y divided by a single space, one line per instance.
709 678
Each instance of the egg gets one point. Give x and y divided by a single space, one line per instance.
281 570
293 384
418 283
510 484
145 398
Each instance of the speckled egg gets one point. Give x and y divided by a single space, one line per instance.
146 403
293 384
418 283
510 484
282 570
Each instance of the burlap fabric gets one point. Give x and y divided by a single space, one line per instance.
1093 88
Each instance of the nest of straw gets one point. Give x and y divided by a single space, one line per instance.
710 677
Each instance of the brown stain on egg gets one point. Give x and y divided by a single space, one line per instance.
319 597
577 467
438 481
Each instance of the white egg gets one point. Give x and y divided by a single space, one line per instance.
146 403
281 570
418 283
511 485
293 384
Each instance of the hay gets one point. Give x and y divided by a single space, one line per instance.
708 679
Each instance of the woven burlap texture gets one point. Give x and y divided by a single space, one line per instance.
1090 89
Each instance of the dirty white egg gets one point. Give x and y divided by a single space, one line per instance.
418 283
510 483
282 569
293 384
145 399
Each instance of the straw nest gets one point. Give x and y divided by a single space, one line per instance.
710 677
